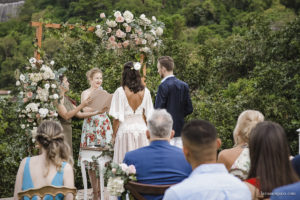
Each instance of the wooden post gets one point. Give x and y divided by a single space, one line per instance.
39 34
144 69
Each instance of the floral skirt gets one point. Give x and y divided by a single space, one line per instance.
96 131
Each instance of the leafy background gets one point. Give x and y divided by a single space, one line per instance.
235 55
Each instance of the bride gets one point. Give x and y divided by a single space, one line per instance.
131 105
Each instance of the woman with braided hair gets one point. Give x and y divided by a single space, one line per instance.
52 167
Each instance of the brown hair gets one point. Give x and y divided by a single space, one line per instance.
269 156
51 138
132 78
245 123
166 62
89 74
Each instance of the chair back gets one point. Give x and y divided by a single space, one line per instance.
139 189
49 189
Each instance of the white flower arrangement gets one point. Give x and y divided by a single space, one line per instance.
116 176
124 31
36 85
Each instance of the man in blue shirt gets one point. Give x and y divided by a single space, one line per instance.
159 163
209 180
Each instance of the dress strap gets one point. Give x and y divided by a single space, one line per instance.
58 179
27 180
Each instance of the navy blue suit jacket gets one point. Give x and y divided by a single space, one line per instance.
174 96
159 163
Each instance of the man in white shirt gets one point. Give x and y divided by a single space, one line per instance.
209 180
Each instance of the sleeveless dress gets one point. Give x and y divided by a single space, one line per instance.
132 129
67 124
58 180
96 131
241 166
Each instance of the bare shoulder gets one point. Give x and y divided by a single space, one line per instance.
68 167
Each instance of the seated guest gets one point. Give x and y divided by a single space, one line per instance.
159 163
209 180
287 192
296 164
52 167
270 165
237 159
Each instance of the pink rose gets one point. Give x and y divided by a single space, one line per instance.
128 29
125 43
120 34
30 120
25 100
120 19
137 41
102 15
119 45
109 30
112 39
38 116
29 94
114 170
132 169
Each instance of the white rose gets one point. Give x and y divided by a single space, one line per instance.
99 33
52 62
145 49
53 85
159 31
47 86
128 16
33 66
111 24
144 41
32 60
18 83
98 26
22 126
143 16
137 66
43 112
154 18
117 14
55 96
22 77
55 114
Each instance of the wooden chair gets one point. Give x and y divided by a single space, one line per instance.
137 189
51 190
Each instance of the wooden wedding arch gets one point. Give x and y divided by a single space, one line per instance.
39 36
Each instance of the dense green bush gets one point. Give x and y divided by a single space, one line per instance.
235 55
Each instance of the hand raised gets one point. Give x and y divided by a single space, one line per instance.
87 101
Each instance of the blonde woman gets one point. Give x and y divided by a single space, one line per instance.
52 167
237 159
96 129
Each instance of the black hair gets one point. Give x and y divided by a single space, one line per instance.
199 132
132 78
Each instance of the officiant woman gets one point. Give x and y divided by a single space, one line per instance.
96 129
67 109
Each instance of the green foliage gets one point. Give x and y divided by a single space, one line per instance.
234 54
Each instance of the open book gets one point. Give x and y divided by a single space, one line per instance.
100 100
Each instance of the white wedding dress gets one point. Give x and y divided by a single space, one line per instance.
132 129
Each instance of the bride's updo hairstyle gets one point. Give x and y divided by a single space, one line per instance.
132 78
51 138
246 122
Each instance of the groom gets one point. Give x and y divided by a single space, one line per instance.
174 96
